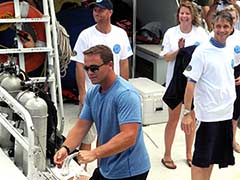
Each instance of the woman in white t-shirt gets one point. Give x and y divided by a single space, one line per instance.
186 33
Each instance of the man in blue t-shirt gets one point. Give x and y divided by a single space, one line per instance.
115 107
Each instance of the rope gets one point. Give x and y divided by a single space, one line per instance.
64 48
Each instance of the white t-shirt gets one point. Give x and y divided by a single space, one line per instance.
170 43
117 40
234 41
212 68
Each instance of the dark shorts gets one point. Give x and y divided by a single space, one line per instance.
98 176
236 111
213 144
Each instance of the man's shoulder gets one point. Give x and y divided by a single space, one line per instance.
125 86
88 30
117 29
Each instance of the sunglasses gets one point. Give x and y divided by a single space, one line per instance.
93 68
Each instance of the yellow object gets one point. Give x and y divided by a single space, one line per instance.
58 3
5 26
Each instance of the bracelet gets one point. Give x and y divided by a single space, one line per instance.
67 148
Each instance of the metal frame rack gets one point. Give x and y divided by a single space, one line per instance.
51 50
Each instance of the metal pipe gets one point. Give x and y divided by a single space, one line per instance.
24 114
134 37
57 66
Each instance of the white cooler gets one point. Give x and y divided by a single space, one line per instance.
152 104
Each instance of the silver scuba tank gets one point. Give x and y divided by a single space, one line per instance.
11 83
22 97
37 108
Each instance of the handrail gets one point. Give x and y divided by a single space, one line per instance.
57 69
28 144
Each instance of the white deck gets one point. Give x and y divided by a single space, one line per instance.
8 170
154 139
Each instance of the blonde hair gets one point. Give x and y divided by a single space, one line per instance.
231 8
193 11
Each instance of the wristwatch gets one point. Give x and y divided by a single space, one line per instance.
67 148
186 112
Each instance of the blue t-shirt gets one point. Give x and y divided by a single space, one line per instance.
120 104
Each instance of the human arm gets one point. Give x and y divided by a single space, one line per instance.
124 68
73 139
80 79
237 81
120 142
173 54
26 39
187 121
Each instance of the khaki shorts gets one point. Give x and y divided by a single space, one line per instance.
91 134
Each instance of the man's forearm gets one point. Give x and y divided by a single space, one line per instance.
80 79
188 96
124 69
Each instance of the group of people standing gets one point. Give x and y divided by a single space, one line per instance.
111 107
212 84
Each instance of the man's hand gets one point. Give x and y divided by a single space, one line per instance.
26 39
187 124
181 43
60 156
85 156
237 81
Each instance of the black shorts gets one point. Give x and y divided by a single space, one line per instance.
213 144
236 111
98 176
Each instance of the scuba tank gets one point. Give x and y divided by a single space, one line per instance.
10 81
37 108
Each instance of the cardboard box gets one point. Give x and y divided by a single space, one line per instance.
152 104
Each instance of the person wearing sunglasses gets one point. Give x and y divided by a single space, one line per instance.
114 105
103 32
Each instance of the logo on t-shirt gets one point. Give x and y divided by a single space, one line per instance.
74 53
197 43
188 68
232 63
116 48
129 48
237 54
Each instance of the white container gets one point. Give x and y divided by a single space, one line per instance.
152 104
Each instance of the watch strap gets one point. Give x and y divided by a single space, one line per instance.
67 148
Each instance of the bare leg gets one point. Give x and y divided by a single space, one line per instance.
236 146
234 122
201 173
170 131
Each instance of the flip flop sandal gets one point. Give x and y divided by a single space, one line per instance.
169 164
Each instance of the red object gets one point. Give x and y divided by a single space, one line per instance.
32 60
